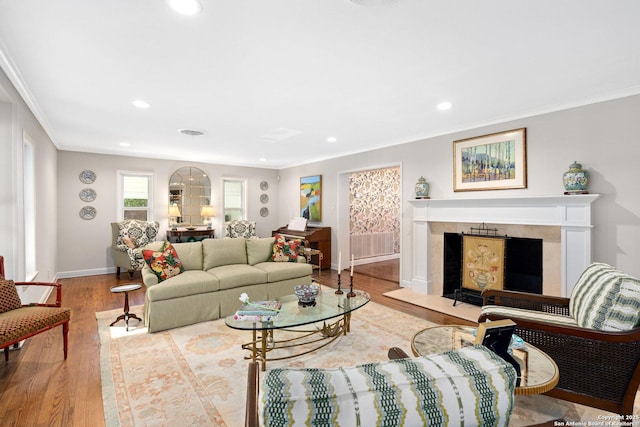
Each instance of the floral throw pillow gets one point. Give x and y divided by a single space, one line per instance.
9 299
285 250
164 263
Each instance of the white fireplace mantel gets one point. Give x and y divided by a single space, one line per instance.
572 213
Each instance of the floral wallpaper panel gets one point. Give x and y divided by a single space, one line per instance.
375 202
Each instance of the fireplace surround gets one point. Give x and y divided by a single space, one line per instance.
566 216
521 271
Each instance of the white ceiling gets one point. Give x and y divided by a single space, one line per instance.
273 79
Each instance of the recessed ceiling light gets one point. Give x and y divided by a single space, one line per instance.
139 103
186 7
262 159
332 139
444 106
125 144
191 132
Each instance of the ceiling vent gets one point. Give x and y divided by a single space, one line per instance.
191 132
371 3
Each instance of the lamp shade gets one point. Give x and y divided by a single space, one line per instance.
207 211
174 210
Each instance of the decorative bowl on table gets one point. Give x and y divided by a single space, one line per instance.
306 294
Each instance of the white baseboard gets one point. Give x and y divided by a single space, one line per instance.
373 259
82 273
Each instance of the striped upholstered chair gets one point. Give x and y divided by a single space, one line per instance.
19 322
471 386
593 336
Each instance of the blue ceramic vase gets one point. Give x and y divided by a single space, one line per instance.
575 180
422 189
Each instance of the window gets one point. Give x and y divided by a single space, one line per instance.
234 200
29 210
135 196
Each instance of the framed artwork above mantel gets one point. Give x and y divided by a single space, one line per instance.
491 162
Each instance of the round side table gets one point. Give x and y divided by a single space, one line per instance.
539 371
126 315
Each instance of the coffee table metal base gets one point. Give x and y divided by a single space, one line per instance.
264 343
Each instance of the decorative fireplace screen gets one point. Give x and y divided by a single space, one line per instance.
483 261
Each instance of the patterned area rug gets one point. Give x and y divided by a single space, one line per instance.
196 375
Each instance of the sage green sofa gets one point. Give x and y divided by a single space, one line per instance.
216 272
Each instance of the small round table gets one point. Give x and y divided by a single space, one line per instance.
126 315
539 371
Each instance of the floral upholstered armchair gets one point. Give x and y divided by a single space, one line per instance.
240 228
128 237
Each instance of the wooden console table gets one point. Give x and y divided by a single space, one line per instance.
181 232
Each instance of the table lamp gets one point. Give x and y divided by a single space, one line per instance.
174 213
207 213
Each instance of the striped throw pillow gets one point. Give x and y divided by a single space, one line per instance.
606 299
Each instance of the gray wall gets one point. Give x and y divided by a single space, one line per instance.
85 245
603 137
17 123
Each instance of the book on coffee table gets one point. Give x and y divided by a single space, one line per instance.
259 308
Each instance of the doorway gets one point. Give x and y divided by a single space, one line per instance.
369 220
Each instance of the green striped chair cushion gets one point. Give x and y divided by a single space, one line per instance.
606 299
471 387
521 313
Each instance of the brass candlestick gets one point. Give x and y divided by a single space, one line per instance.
339 291
351 294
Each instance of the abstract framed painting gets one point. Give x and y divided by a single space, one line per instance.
311 198
491 162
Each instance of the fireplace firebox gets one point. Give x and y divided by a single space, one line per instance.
522 267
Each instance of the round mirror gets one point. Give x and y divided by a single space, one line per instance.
189 190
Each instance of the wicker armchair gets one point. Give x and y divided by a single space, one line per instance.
598 368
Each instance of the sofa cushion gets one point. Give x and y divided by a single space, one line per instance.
285 250
9 299
233 276
190 282
521 313
277 271
471 386
190 253
606 299
217 252
164 263
259 250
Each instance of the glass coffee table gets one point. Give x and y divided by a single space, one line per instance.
539 373
327 320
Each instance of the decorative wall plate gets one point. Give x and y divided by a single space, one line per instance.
87 194
264 212
88 212
87 176
264 185
264 198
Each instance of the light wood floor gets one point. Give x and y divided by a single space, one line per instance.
38 388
